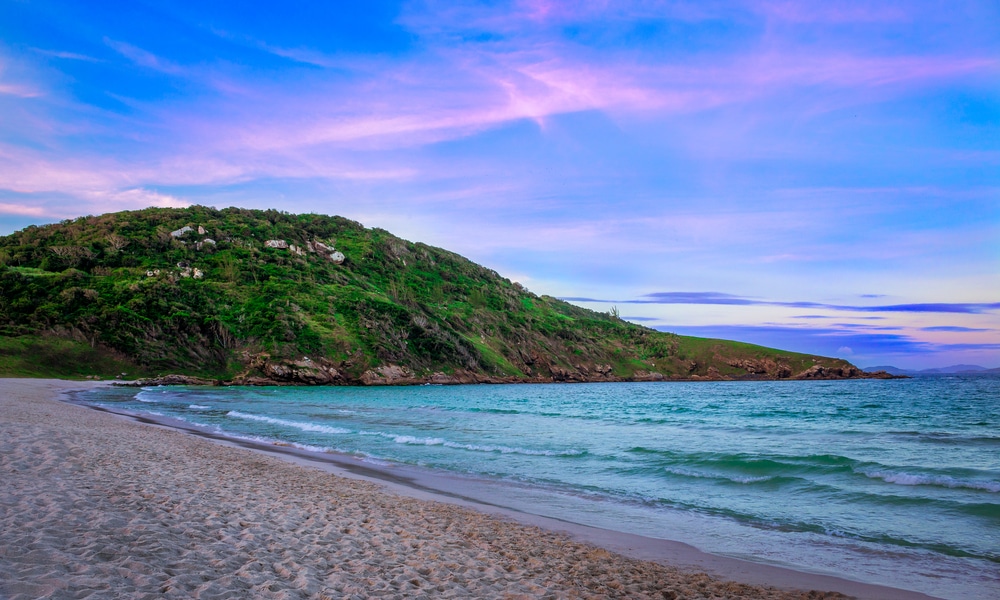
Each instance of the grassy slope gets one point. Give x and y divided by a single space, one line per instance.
81 289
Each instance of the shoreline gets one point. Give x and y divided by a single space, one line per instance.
392 483
393 376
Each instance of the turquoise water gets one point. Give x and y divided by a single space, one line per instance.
893 482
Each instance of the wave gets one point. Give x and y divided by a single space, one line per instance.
404 439
199 407
148 395
748 468
948 437
754 463
436 441
734 478
903 478
310 427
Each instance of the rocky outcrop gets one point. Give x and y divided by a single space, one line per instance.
648 376
170 380
305 371
848 371
329 252
766 366
387 375
308 372
262 370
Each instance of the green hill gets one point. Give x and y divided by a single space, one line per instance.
247 296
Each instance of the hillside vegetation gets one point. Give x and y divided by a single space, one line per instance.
247 296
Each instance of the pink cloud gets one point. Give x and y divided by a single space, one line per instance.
20 90
22 209
409 105
312 126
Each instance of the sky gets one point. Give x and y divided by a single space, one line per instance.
821 177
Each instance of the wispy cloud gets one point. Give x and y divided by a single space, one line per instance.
143 58
66 55
20 90
17 80
733 300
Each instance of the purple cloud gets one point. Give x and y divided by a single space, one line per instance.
730 299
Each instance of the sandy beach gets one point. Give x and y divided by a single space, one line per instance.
95 505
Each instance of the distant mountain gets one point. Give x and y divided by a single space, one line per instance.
952 370
955 369
262 297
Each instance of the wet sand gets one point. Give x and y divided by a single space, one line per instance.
97 505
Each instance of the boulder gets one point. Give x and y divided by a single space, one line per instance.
282 244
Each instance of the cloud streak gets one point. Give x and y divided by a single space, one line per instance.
831 341
717 298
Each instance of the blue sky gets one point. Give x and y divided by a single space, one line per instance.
821 177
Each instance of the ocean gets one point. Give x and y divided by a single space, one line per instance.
894 482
